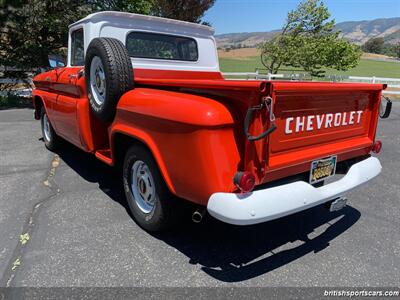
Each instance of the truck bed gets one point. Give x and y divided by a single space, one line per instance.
316 104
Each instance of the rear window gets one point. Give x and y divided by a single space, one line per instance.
161 46
77 52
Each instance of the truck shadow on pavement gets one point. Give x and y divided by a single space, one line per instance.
225 252
234 253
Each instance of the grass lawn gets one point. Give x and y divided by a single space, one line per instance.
366 67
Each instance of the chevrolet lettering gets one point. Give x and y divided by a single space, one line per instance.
316 122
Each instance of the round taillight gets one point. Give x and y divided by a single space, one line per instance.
245 181
376 148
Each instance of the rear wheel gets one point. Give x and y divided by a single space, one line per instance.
49 135
152 205
108 74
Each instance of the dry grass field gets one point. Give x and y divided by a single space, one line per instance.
239 53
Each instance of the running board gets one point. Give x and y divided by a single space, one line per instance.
105 156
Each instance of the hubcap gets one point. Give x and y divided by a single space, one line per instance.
142 187
46 128
97 80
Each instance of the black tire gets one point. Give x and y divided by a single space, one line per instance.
167 210
51 139
118 74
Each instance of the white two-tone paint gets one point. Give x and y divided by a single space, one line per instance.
119 24
282 200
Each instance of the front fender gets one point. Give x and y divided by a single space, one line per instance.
38 96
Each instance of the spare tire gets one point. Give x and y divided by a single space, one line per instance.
109 74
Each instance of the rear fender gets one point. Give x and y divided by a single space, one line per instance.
177 107
145 139
179 130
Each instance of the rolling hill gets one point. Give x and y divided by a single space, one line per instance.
357 32
361 31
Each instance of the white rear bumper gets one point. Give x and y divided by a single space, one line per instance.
272 203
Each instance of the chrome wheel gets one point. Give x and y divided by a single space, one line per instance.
97 80
46 128
142 187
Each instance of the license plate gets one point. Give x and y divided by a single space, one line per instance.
322 169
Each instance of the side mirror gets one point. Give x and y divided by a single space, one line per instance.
56 61
385 107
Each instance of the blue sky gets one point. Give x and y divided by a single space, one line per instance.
228 16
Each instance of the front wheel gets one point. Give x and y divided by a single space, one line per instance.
50 137
152 205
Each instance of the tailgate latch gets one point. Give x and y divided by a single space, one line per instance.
268 104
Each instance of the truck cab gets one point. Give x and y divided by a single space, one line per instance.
146 94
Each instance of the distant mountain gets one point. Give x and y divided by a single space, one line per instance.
246 39
393 37
357 32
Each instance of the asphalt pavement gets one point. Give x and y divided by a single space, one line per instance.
64 222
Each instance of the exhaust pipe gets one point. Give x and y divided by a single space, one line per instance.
198 215
337 204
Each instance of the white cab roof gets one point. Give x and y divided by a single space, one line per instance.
118 25
128 18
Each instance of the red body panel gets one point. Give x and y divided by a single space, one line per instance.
318 101
192 122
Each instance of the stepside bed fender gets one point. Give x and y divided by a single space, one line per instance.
140 137
181 111
175 106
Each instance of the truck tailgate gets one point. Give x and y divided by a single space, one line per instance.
315 120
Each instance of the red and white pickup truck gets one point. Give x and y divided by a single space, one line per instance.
146 93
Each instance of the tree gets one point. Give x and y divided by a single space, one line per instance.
397 49
186 10
308 41
392 50
374 45
31 29
134 6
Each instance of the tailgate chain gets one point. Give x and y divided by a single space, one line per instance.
267 102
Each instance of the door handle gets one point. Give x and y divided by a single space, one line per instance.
77 75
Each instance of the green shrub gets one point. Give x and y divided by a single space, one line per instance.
13 101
